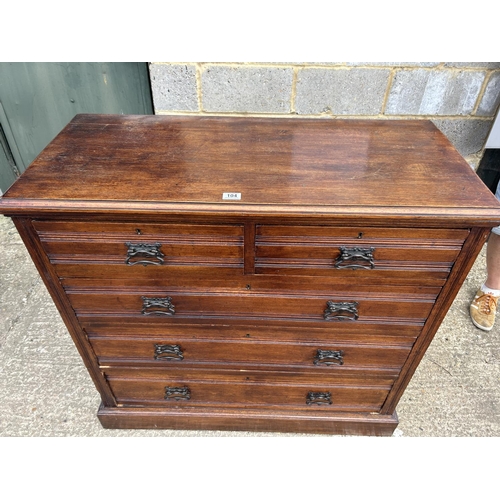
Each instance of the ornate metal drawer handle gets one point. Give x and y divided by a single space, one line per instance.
178 393
319 398
149 250
329 357
341 311
355 258
168 351
157 305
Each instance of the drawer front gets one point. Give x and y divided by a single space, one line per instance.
365 254
331 357
251 389
234 331
125 250
173 303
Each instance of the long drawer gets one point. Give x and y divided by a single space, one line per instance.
143 387
234 330
129 250
400 255
165 351
364 304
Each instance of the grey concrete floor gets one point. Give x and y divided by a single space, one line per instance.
45 389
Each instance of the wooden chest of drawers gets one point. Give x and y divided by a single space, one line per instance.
251 274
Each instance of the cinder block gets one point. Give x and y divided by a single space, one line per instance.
491 97
322 63
357 91
395 64
423 92
474 161
174 87
375 64
468 135
487 65
250 89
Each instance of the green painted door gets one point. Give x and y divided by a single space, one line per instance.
38 99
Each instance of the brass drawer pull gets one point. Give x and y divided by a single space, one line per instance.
178 393
157 305
355 258
341 311
328 358
319 398
168 351
150 251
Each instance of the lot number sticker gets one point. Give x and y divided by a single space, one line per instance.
231 196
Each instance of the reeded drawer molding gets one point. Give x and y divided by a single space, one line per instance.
118 249
377 254
93 244
372 307
252 389
140 229
333 357
234 331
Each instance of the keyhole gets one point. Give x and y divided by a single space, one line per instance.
248 287
138 231
360 235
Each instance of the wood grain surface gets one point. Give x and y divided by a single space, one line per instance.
330 166
125 220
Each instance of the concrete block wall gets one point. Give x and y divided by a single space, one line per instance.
461 98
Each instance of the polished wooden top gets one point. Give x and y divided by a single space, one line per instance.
293 165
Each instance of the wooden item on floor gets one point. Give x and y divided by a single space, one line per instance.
251 274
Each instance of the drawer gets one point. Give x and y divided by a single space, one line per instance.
356 304
350 332
365 254
182 350
127 250
143 387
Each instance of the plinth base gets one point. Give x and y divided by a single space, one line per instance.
251 420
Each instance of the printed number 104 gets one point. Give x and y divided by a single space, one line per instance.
231 196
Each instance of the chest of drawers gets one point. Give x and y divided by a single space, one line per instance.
251 274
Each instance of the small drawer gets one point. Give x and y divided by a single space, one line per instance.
332 357
126 250
134 387
366 254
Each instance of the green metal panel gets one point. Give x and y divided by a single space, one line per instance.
39 99
11 163
7 172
